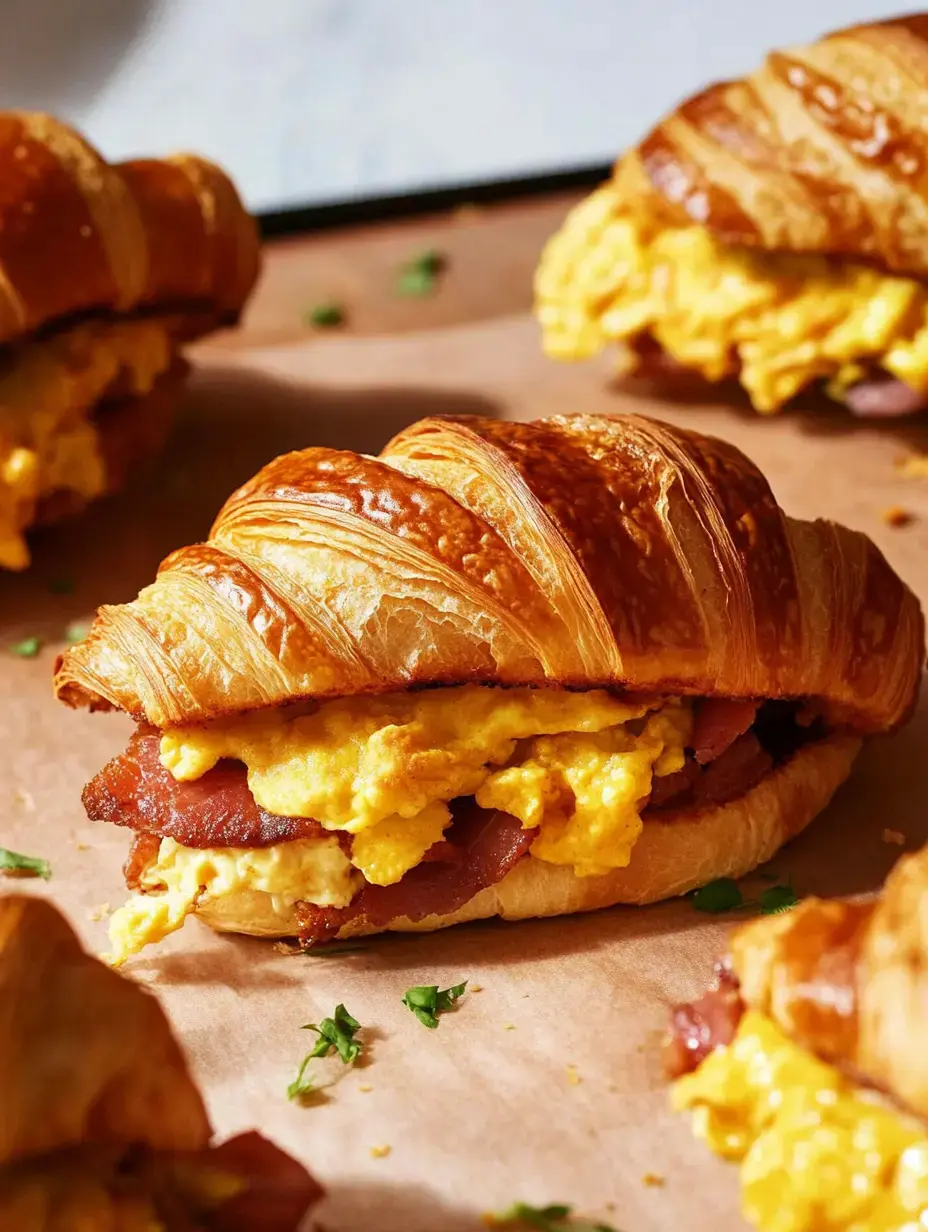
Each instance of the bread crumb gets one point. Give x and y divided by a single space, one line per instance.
99 913
610 1207
895 515
915 466
509 1026
475 988
654 1180
380 1152
25 798
365 1087
894 836
572 1076
81 846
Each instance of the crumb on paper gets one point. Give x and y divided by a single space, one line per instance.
895 515
79 846
610 1207
572 1076
475 988
96 914
365 1088
381 1152
509 1026
896 837
654 1180
914 466
25 797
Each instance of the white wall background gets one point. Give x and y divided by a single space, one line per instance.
318 100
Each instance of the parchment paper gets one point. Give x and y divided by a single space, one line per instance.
484 1110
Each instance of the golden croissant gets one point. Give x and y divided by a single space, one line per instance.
503 669
808 1061
772 229
102 1127
105 270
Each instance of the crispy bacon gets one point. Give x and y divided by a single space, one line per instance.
884 397
731 775
718 723
699 1027
217 810
486 845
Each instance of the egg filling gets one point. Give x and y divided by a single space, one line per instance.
575 766
817 1153
776 321
49 388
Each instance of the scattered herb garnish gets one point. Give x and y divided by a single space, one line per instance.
337 1032
12 863
718 896
61 586
76 632
427 1002
335 949
419 276
776 899
554 1218
324 316
724 895
28 648
303 1084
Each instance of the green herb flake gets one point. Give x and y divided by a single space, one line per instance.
61 586
427 1001
325 316
337 1033
555 1218
28 648
12 864
76 632
304 1083
776 899
334 950
718 896
419 275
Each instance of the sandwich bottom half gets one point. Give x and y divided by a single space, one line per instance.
422 809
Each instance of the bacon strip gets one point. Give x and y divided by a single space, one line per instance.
884 397
217 810
699 1027
718 723
486 845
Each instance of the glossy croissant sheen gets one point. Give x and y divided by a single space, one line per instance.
848 980
79 234
823 149
576 550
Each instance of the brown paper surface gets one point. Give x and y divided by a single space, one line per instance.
481 1111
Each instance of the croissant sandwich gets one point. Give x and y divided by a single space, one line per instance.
502 669
105 271
772 229
102 1126
807 1062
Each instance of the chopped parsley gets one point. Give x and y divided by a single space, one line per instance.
427 1001
776 899
555 1218
76 632
419 275
336 1033
28 648
12 863
304 1083
718 896
724 895
324 316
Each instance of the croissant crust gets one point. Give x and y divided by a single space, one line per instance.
581 551
821 150
78 234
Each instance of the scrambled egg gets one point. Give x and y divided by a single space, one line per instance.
48 388
575 765
817 1153
777 321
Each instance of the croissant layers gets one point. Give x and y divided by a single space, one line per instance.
102 1125
824 1006
105 270
592 600
771 228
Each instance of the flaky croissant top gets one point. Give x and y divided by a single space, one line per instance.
78 234
823 149
583 551
850 980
